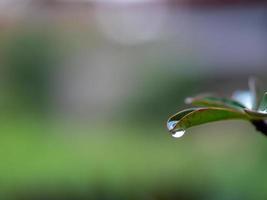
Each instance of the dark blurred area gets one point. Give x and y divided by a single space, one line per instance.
86 87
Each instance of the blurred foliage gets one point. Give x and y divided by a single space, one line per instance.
30 57
158 92
41 160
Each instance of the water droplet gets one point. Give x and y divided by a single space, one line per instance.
171 125
178 133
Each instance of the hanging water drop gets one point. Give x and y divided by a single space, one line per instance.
171 125
178 133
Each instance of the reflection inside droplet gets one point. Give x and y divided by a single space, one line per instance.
178 133
171 125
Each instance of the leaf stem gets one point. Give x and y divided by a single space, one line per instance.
260 125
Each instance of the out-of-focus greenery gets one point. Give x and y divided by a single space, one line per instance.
159 93
29 59
43 159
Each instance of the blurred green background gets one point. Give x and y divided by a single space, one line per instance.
86 88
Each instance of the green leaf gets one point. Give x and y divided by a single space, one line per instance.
207 100
263 104
206 115
172 121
